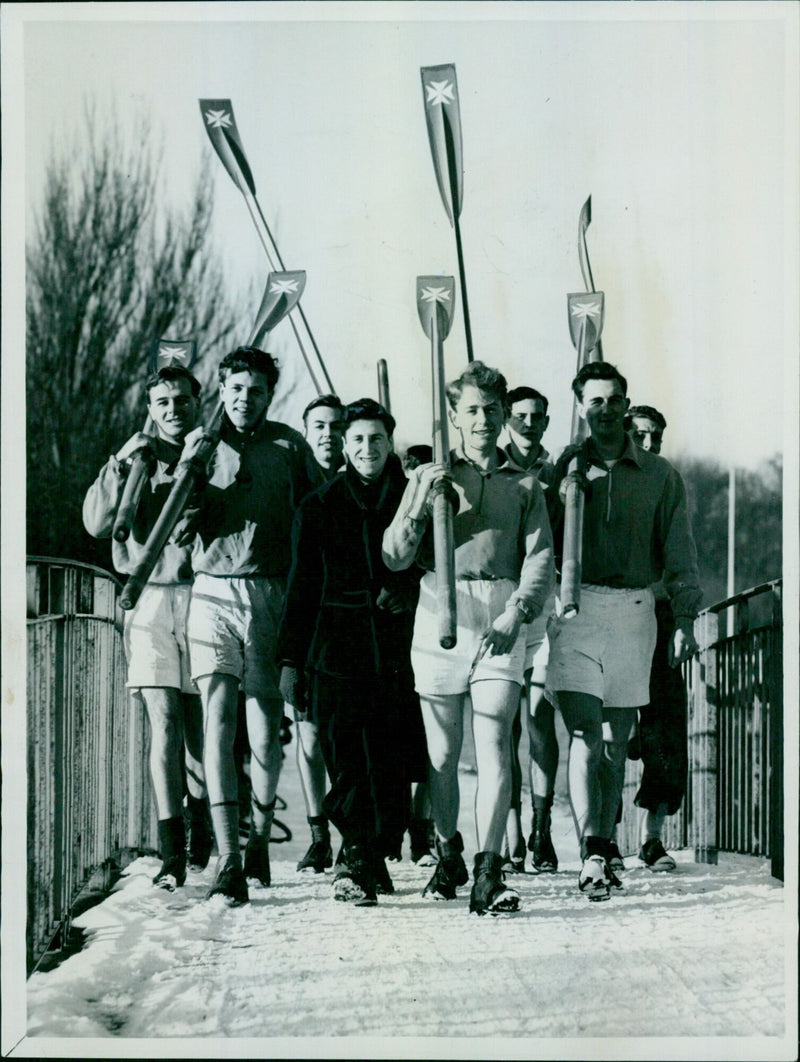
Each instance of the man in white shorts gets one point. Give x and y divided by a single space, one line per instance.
526 422
504 572
635 531
155 630
323 429
258 475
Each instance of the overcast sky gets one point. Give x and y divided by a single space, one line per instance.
673 118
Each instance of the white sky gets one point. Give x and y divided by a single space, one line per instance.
671 117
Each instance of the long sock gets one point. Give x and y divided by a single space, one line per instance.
225 818
261 819
653 823
171 836
197 808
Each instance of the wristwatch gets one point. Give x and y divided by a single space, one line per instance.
527 614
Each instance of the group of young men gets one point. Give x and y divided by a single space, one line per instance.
303 574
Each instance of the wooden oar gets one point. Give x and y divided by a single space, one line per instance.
443 118
223 133
435 299
585 314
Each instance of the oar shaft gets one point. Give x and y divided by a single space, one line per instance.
132 492
383 385
572 550
301 328
443 540
184 483
463 280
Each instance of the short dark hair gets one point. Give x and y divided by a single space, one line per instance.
645 411
250 359
328 401
481 376
598 370
519 394
417 454
368 409
168 373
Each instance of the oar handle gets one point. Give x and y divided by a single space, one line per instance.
444 560
572 555
131 496
184 483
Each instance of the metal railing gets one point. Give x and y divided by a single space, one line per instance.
734 800
88 789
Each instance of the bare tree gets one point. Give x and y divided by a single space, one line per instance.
110 269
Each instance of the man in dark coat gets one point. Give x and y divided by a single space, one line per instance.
344 650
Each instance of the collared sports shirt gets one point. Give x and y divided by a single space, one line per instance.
636 526
501 530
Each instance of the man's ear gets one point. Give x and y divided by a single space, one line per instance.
581 410
451 415
221 387
546 424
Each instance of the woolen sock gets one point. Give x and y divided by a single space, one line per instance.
197 807
225 819
653 823
171 836
261 816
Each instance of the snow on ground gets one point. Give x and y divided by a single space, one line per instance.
694 954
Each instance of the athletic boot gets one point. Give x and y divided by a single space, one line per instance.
655 857
199 835
543 856
595 876
230 882
172 845
420 832
354 882
256 860
616 863
383 882
451 870
320 854
489 895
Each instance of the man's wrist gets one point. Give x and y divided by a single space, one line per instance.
524 610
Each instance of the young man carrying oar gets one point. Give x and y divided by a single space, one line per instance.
504 572
256 478
155 630
635 531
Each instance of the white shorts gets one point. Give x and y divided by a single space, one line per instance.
233 630
607 649
440 672
537 646
155 638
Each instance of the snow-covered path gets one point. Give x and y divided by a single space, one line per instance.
699 953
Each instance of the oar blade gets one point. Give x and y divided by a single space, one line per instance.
586 310
584 221
173 352
443 118
281 295
222 132
436 296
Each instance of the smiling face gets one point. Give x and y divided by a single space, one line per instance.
526 424
478 418
245 396
647 434
173 409
323 431
366 447
603 406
